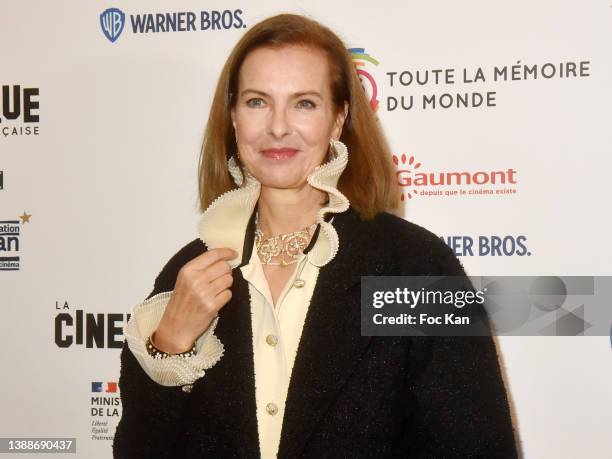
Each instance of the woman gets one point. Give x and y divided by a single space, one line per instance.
250 343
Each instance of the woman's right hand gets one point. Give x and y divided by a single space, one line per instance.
202 288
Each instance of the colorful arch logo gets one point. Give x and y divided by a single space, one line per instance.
361 59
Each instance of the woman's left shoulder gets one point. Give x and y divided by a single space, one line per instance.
390 223
414 247
398 231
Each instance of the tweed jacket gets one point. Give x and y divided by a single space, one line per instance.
349 396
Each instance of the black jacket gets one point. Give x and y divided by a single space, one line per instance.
350 395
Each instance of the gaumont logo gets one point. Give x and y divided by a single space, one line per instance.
113 22
363 63
415 180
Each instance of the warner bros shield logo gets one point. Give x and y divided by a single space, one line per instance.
112 21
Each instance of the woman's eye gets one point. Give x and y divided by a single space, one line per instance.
306 104
255 102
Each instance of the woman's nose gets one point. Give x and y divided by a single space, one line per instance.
279 124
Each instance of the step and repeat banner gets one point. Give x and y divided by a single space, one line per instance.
499 115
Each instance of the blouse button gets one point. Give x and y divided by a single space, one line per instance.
272 340
298 283
271 408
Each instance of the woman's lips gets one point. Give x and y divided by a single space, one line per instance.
279 153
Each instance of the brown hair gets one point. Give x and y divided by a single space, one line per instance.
369 179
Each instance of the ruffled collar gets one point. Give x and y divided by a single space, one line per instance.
225 221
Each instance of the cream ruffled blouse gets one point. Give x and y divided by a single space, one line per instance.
276 328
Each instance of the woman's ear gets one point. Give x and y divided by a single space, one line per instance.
339 123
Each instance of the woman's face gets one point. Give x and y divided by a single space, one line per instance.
284 114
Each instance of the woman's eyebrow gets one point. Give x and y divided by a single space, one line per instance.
308 93
294 95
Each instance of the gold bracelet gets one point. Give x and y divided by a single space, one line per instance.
157 354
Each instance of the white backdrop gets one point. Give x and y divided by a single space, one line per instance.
108 182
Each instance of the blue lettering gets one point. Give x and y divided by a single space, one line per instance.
523 248
181 22
238 20
138 23
215 20
497 246
171 21
460 245
150 24
186 21
483 246
191 21
159 23
204 20
226 19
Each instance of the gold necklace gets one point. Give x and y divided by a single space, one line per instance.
283 249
